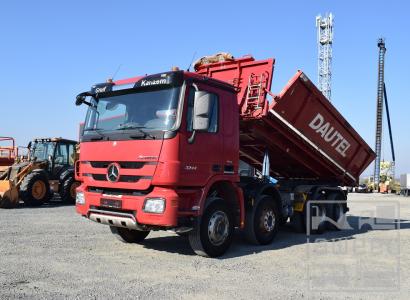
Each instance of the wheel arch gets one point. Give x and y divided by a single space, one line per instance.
230 193
271 190
255 189
326 191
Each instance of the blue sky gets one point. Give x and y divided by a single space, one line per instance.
52 50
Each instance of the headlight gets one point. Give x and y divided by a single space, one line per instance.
154 205
79 198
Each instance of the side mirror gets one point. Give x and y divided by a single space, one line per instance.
202 109
80 99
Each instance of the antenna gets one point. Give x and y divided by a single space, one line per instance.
116 72
192 60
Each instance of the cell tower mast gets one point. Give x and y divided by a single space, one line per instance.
379 111
324 27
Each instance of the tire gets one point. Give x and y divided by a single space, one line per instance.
213 231
262 222
67 189
35 189
297 222
317 223
126 235
336 212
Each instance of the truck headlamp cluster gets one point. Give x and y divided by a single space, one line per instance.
79 198
154 205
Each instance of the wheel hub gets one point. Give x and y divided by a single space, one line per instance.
38 190
218 228
269 220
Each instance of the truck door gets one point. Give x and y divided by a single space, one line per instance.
204 157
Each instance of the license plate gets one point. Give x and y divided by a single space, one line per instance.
111 203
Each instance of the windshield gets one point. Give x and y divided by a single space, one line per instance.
141 109
41 151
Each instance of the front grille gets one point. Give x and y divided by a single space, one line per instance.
117 192
123 178
123 164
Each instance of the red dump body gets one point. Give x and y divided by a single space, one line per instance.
306 137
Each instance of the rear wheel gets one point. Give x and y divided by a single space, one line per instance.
129 235
67 190
212 234
35 189
262 222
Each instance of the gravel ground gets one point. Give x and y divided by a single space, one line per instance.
52 253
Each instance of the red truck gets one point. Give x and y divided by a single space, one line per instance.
163 152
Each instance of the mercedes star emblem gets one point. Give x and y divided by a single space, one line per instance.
113 172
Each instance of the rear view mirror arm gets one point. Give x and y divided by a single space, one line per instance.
191 139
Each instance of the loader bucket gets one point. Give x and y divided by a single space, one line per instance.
9 195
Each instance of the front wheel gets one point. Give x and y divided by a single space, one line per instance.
35 189
212 234
126 235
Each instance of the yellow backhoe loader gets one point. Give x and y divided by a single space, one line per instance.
48 170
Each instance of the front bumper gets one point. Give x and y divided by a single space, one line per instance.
132 206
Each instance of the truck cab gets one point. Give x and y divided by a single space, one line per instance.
60 155
152 149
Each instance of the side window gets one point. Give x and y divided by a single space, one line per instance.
190 110
71 154
61 157
213 120
49 150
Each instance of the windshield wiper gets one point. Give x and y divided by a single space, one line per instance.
146 134
98 131
139 128
129 125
